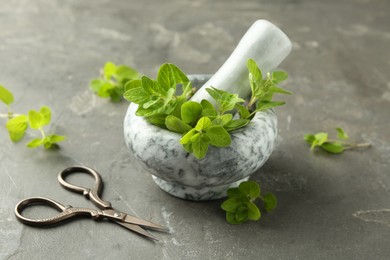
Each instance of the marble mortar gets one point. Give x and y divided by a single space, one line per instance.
181 174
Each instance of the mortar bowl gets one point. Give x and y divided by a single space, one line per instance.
181 174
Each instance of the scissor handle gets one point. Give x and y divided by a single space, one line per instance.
92 194
65 211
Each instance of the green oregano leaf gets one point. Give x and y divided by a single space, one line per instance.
190 112
203 124
270 202
240 205
174 124
250 189
109 70
279 76
35 143
219 136
16 127
341 133
333 147
6 96
253 211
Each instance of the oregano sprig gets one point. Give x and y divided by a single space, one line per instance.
240 205
263 89
18 124
201 124
334 146
157 98
112 80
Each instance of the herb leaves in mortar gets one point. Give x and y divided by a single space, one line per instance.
201 124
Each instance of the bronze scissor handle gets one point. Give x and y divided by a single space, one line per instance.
92 194
65 211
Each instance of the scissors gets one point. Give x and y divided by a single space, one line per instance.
105 210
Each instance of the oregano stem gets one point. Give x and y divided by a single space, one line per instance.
42 133
349 145
9 115
361 145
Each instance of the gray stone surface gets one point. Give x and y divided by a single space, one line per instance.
330 207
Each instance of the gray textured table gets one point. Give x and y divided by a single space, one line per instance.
330 207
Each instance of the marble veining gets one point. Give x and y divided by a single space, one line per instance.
182 174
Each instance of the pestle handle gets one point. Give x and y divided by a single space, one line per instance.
263 42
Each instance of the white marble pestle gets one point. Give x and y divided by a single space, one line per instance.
263 42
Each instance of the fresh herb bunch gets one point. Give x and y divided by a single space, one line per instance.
201 124
17 124
334 146
240 205
112 80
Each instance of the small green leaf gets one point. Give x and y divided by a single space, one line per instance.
158 120
16 136
214 93
188 147
236 124
136 95
321 138
255 77
154 100
264 105
254 69
46 115
228 101
35 143
109 70
190 112
150 86
208 109
96 84
253 211
270 202
180 76
206 104
133 84
199 145
279 76
309 138
230 205
210 113
222 120
234 193
56 138
244 112
35 119
17 124
105 90
203 124
275 89
231 218
332 147
341 134
187 137
250 188
123 73
17 127
165 77
241 214
219 136
116 94
6 96
176 125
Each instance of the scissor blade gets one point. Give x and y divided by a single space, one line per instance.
144 223
137 229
